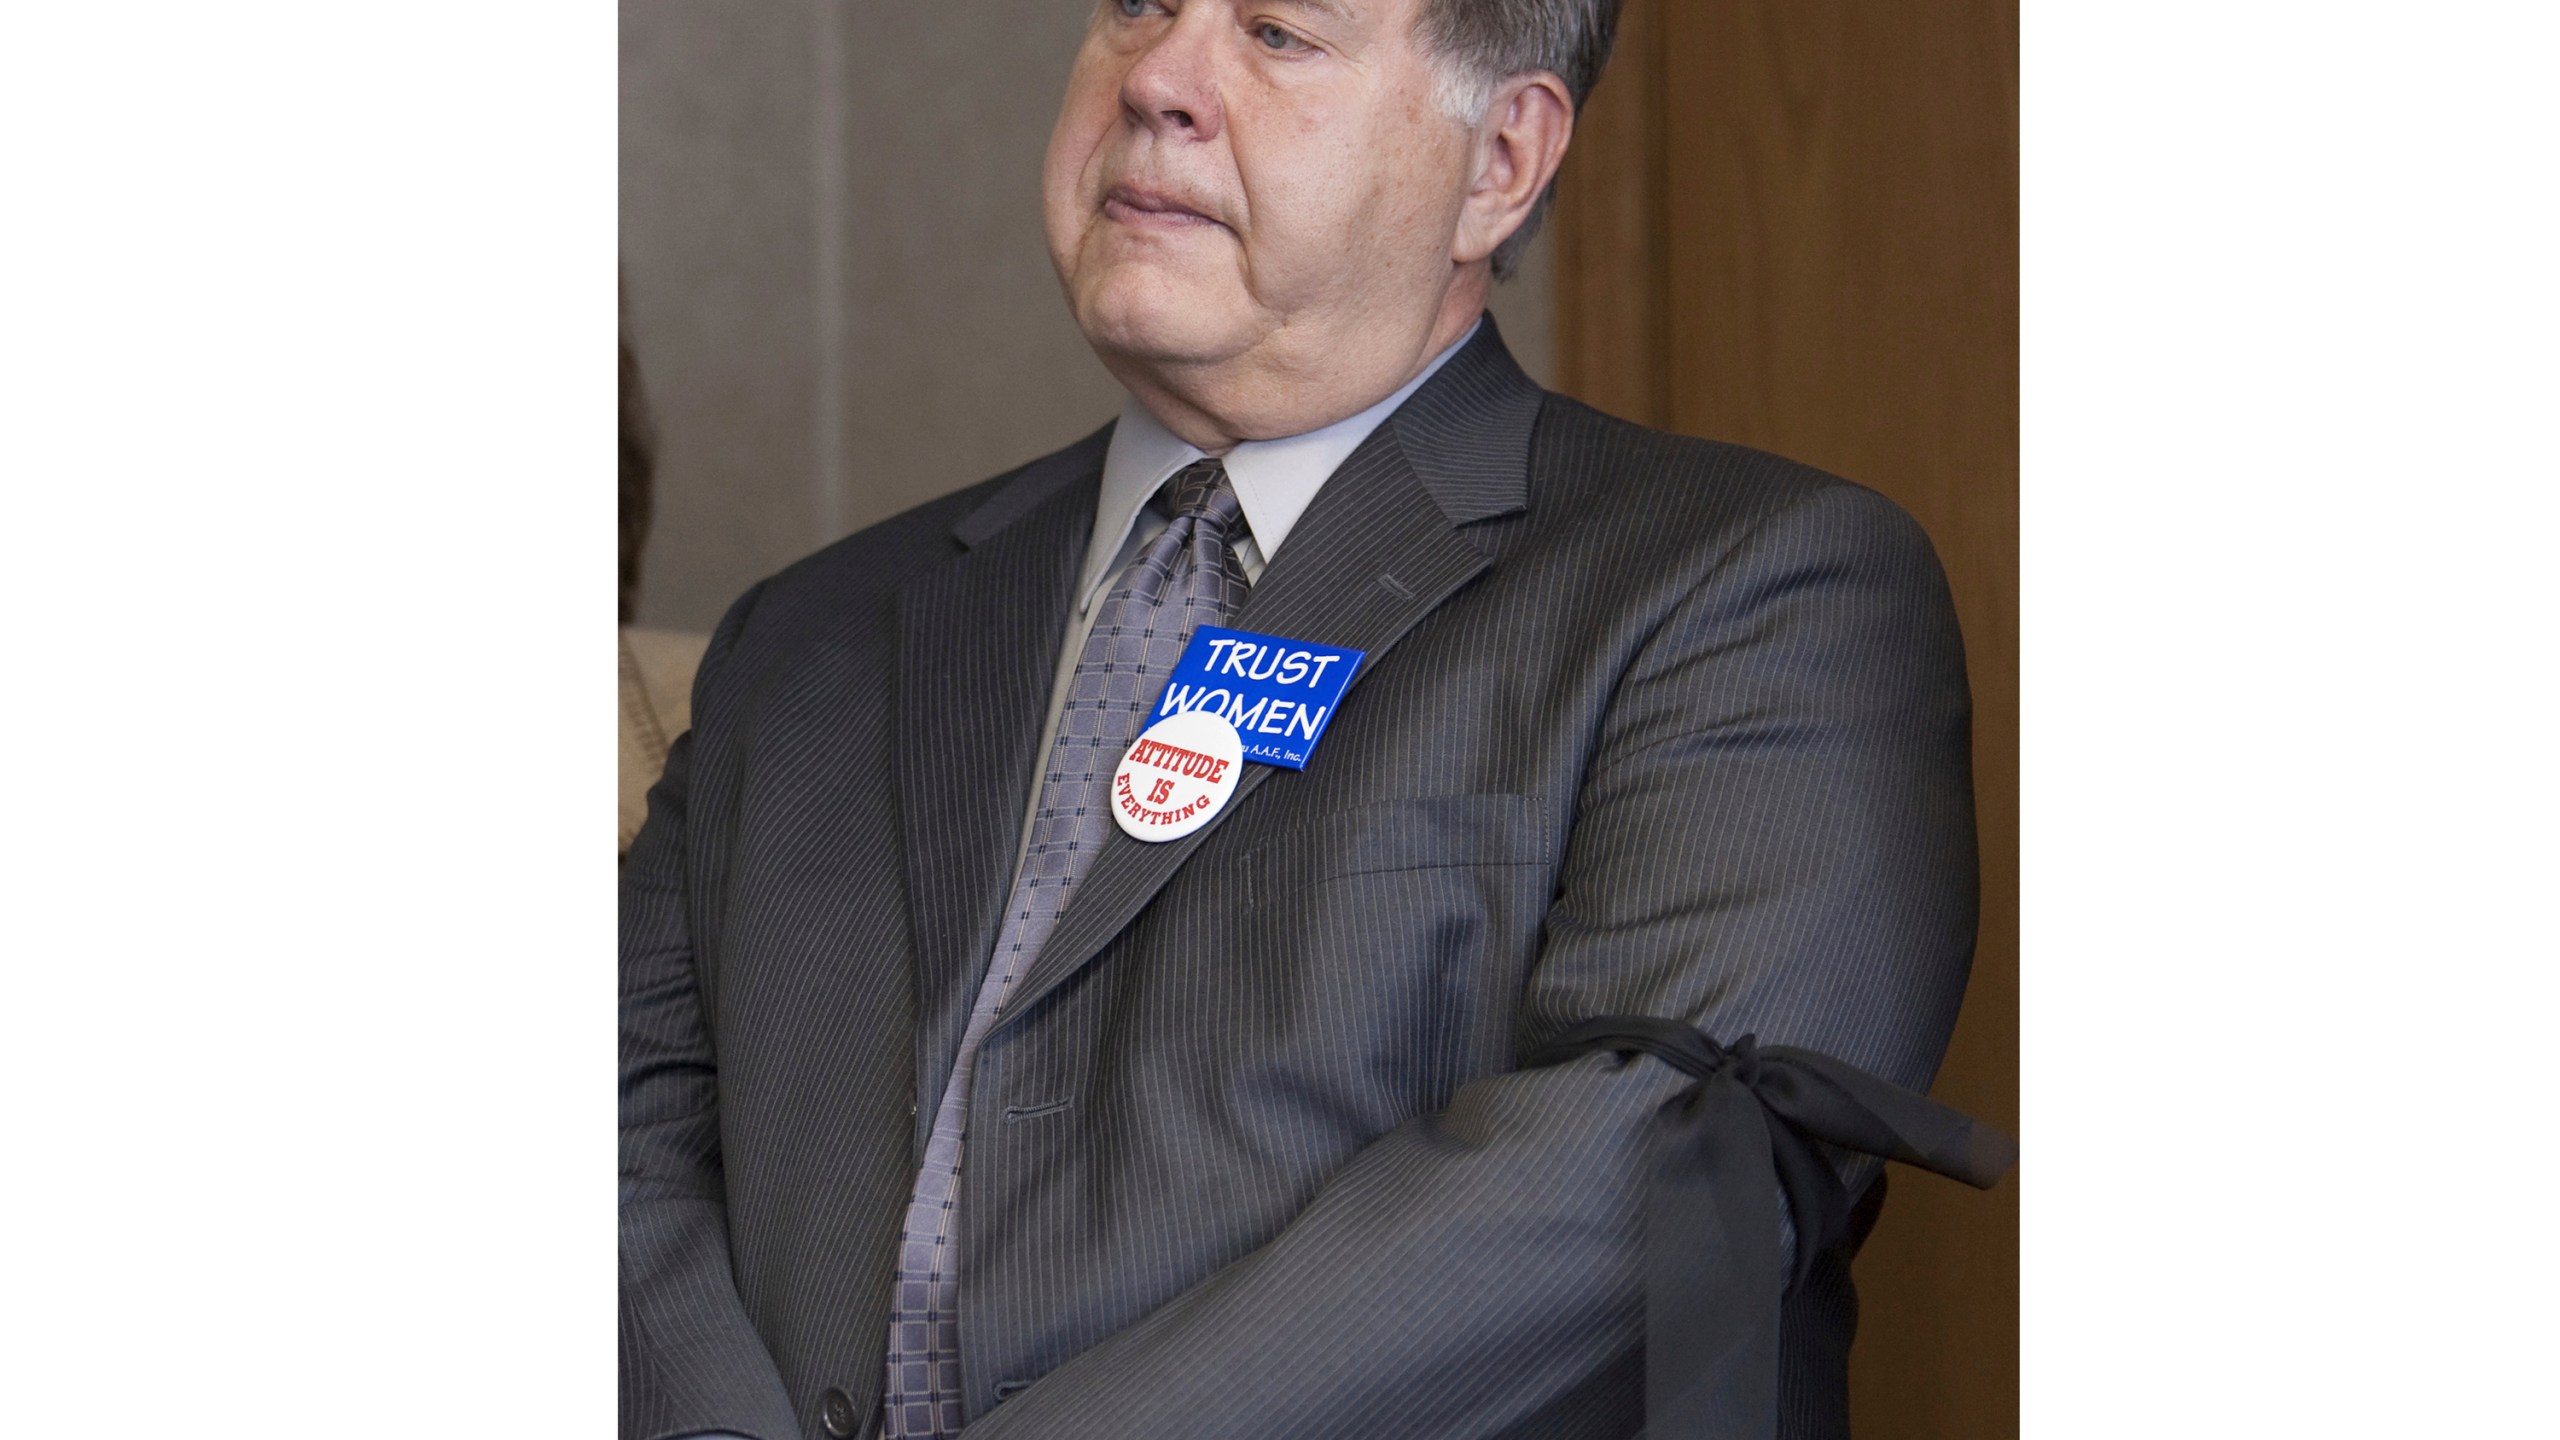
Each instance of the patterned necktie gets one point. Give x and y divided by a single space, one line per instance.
1186 577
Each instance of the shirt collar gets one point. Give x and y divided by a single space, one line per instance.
1275 480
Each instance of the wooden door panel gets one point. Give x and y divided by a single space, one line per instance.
1793 224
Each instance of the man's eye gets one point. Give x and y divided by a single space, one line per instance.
1275 38
1135 8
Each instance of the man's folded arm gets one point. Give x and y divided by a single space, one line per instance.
691 1361
1775 837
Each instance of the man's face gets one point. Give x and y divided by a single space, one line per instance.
1233 174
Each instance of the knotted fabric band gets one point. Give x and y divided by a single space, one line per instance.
1716 1167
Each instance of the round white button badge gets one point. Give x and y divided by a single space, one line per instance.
1177 776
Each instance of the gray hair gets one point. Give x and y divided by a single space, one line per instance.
1478 44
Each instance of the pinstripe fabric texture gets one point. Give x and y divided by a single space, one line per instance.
1648 724
1188 576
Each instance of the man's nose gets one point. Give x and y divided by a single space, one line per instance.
1173 87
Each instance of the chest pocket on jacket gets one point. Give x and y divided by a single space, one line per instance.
1416 832
1378 953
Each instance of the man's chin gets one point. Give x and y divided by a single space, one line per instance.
1167 319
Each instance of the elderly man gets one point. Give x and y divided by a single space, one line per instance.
953 1095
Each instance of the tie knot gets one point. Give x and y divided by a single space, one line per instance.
1202 491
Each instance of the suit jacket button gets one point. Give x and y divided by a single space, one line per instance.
835 1410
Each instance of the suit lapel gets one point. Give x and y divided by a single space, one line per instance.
1380 547
978 643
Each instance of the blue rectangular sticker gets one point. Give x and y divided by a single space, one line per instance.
1277 693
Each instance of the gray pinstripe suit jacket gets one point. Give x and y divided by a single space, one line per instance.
1648 724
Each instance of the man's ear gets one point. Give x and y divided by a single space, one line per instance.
1519 144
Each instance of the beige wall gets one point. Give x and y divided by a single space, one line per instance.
834 274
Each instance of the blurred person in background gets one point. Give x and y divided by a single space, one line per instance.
656 665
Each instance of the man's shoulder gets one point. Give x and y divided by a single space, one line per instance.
1594 472
853 576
